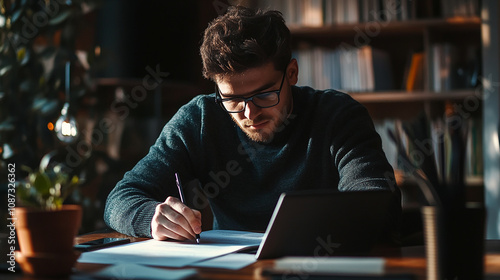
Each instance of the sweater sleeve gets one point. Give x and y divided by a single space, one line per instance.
357 151
131 204
360 159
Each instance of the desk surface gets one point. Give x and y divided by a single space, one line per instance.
407 260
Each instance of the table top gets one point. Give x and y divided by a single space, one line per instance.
405 260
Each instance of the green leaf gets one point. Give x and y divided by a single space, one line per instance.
60 18
26 169
7 125
58 202
26 56
3 20
21 54
27 196
38 103
7 61
42 184
5 69
16 15
49 107
75 180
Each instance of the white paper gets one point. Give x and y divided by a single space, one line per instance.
233 261
331 265
175 254
135 271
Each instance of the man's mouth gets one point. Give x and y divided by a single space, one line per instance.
258 125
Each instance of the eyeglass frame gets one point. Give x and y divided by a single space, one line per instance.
220 100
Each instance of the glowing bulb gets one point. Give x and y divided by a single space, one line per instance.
66 129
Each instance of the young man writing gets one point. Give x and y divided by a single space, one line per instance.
268 136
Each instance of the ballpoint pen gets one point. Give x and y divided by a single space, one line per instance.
181 194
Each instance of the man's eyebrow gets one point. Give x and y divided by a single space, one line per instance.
255 91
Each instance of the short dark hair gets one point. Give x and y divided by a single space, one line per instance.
245 38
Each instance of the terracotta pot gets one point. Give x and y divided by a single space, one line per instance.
46 239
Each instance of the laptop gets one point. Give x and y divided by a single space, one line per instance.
325 223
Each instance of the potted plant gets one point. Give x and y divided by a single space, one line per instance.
45 227
37 39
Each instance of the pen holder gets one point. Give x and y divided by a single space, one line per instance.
454 242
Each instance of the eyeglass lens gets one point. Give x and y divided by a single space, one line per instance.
263 100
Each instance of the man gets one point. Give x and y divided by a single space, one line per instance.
258 136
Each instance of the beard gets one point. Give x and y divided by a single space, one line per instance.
274 123
263 135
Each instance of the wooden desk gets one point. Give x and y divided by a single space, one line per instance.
407 260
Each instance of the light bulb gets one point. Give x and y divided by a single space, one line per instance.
66 129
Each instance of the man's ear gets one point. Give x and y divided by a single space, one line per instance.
292 72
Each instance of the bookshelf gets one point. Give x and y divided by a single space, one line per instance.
392 46
424 58
399 58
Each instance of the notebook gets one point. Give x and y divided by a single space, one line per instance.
325 223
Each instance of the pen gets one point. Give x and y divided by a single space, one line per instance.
181 194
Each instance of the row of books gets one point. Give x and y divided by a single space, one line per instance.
449 68
431 146
345 68
369 69
328 12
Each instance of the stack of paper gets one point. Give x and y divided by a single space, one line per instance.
213 244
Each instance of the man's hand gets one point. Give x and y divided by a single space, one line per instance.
174 220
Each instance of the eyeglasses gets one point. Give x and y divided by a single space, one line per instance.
238 104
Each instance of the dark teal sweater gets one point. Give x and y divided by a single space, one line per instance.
327 142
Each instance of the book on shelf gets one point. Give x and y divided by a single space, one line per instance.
312 12
442 57
382 70
414 72
368 10
351 69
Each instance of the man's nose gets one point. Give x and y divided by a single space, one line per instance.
251 111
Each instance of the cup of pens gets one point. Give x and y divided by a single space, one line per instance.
454 241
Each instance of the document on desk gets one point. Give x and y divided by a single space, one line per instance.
213 243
